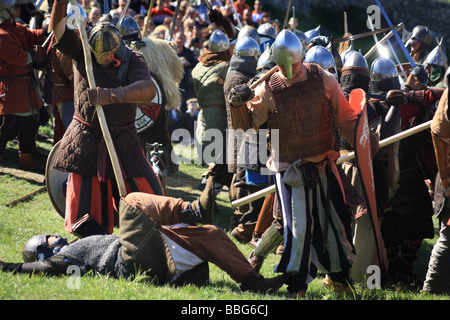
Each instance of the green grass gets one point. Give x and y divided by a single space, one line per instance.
37 215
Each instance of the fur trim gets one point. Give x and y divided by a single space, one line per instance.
165 63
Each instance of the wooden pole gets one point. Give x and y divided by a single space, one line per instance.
147 19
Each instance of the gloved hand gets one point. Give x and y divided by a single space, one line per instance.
395 98
240 95
105 96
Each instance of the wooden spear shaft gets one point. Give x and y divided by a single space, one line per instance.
261 193
147 19
99 108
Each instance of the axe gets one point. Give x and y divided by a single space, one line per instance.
397 37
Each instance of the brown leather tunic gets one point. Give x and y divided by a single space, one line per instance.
302 116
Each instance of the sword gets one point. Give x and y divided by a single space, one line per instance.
351 155
397 37
367 34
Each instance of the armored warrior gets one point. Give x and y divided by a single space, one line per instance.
420 44
122 80
159 237
304 161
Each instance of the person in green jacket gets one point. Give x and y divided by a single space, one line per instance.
208 78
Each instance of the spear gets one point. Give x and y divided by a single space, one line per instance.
99 108
147 19
351 155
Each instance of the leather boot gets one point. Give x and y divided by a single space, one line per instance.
258 284
26 163
243 232
201 210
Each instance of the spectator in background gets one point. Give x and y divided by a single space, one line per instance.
189 60
257 13
115 13
240 6
140 6
94 16
267 17
160 12
195 42
247 19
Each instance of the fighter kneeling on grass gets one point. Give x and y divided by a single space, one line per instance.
159 238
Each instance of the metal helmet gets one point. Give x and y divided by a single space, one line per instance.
310 34
247 47
323 58
383 68
435 57
346 53
219 42
268 30
104 39
287 50
37 249
71 21
264 58
303 40
422 34
355 59
31 247
129 29
249 31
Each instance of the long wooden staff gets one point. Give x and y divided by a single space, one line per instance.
99 108
261 193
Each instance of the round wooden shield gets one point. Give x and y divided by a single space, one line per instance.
147 113
56 181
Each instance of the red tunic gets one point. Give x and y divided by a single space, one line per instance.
16 84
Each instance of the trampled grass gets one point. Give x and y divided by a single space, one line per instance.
36 215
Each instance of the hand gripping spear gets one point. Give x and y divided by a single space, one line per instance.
99 108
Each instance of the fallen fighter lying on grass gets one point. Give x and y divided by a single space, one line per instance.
159 237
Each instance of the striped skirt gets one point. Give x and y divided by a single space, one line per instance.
306 248
86 194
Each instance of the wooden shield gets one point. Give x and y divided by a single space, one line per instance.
363 160
55 182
